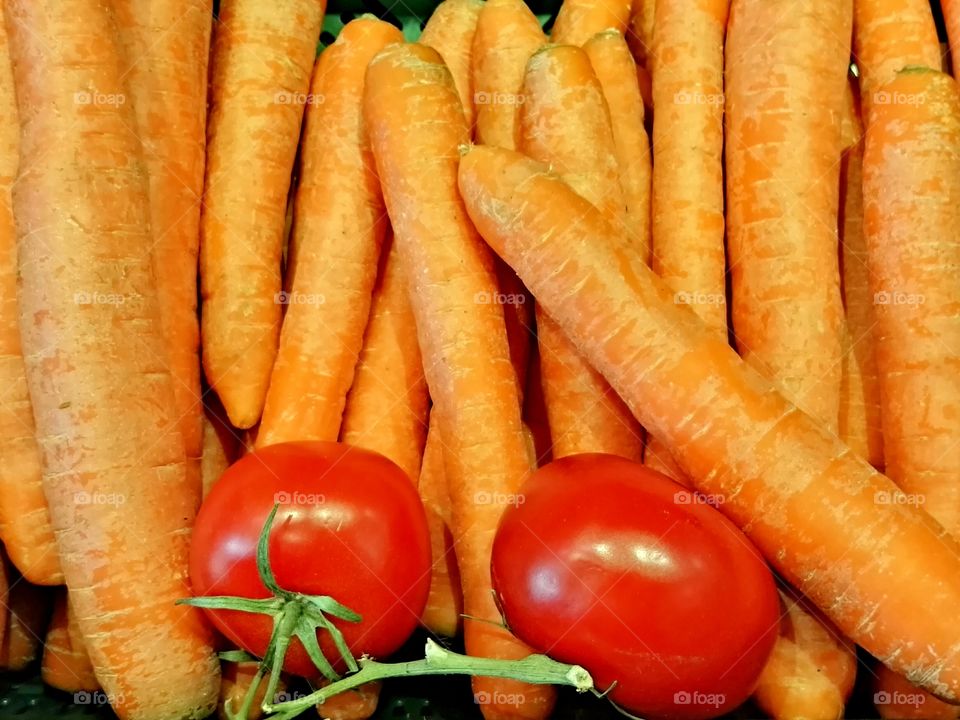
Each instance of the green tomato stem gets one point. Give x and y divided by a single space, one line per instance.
536 669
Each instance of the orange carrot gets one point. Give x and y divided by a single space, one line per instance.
166 72
889 35
260 79
579 20
359 702
113 460
450 31
811 671
24 520
387 406
783 157
337 235
896 698
563 114
860 425
66 664
237 677
416 126
508 33
445 601
221 444
808 503
27 608
641 32
951 18
912 223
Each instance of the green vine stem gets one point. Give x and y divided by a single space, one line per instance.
535 669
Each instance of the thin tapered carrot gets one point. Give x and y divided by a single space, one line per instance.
166 73
896 698
387 407
508 33
783 157
811 672
27 610
579 20
565 122
641 31
450 31
912 222
416 126
24 520
237 677
66 664
338 227
261 61
807 502
860 421
444 606
221 444
616 71
114 470
889 35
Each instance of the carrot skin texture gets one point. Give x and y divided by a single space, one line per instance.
24 520
641 32
579 20
167 75
66 664
338 231
113 461
416 128
896 698
803 498
450 31
261 61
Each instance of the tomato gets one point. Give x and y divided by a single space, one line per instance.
350 525
612 566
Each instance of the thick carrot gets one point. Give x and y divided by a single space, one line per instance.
889 35
508 33
66 664
450 31
860 423
237 677
166 73
811 671
24 520
445 602
27 609
886 574
259 84
912 222
896 698
641 32
579 20
221 444
565 122
783 158
113 460
416 126
387 407
335 245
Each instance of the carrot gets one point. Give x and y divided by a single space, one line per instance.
641 31
359 702
579 20
24 520
335 245
113 460
860 424
889 35
951 18
66 664
884 573
896 698
450 31
565 113
416 126
221 444
259 81
616 72
912 223
445 601
783 157
237 677
508 33
166 73
812 669
27 608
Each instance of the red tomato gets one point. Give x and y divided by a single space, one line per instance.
612 566
350 525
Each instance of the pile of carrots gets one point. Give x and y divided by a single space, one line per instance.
719 237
